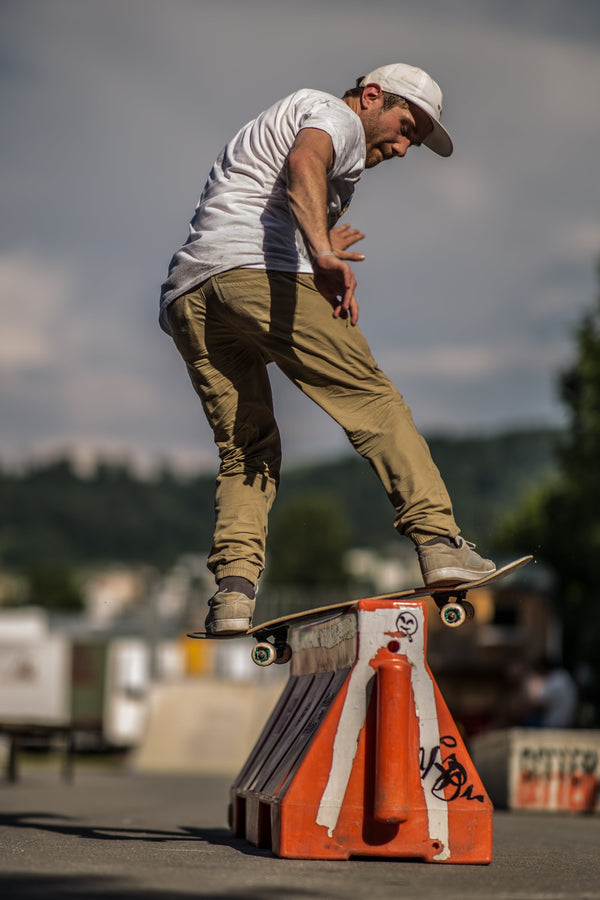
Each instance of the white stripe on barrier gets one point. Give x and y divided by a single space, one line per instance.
375 627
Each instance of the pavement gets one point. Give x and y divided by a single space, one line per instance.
117 834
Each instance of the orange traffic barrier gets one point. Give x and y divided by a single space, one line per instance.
360 756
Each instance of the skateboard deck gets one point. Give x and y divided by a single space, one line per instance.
451 601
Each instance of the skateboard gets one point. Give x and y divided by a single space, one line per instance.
271 636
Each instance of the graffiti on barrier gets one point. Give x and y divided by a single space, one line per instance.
452 779
546 761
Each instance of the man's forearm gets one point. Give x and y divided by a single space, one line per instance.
307 193
309 162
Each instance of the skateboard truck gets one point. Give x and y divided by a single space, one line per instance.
271 647
454 609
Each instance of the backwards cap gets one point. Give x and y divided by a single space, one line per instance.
417 86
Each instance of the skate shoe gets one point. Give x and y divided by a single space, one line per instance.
447 561
230 613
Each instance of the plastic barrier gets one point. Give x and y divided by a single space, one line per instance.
550 770
360 756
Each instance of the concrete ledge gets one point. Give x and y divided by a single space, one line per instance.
204 726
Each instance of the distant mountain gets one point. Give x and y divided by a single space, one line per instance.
49 512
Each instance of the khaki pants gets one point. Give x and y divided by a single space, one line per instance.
227 330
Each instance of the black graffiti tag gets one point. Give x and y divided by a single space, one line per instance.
452 774
408 624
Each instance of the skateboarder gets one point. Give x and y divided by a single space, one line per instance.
265 276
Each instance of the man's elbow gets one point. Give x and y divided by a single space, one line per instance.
301 163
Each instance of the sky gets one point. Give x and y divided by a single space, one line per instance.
478 267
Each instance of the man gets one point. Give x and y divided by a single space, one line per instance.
252 285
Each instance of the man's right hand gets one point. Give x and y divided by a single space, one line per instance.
335 280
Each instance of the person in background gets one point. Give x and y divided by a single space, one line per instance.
553 696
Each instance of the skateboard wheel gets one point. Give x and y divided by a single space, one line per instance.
264 654
284 654
453 614
469 609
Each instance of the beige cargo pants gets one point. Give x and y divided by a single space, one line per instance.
227 330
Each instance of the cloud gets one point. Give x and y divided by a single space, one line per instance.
36 295
471 362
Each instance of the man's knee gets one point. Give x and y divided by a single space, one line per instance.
256 470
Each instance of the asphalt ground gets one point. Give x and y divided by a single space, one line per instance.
113 834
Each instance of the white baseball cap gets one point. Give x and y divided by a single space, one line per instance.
417 86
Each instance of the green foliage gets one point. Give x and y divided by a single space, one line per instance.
580 391
487 477
50 512
561 520
309 537
54 587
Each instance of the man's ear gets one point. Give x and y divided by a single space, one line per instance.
371 93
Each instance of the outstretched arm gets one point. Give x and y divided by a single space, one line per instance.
309 160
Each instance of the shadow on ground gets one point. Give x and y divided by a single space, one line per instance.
73 887
64 825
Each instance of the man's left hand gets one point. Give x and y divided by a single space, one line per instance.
342 237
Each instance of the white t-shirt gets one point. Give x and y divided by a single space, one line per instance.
243 217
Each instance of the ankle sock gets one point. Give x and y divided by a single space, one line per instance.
424 540
238 584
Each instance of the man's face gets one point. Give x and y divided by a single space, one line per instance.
391 132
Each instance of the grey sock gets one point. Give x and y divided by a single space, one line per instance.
441 539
